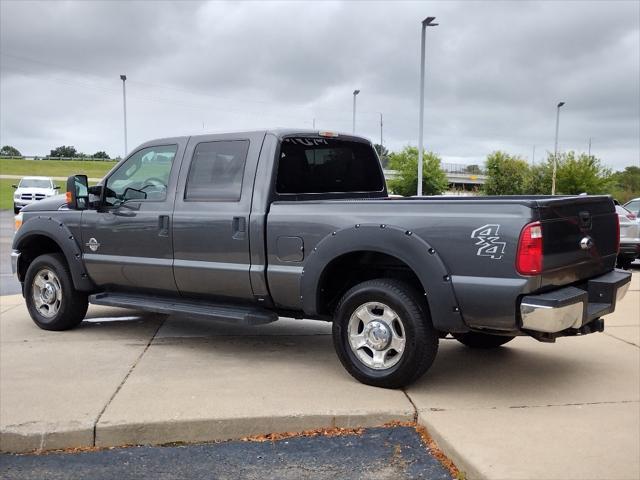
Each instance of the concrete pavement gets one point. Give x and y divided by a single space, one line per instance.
531 410
527 410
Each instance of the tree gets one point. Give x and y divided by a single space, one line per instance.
9 151
64 151
506 174
626 184
575 174
383 153
473 170
101 154
405 163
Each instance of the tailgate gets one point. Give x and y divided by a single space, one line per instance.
579 238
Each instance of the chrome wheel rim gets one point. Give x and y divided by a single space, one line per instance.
376 335
47 293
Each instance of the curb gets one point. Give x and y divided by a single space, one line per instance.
460 461
34 439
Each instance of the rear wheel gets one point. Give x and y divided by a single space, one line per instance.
624 263
52 300
383 334
481 340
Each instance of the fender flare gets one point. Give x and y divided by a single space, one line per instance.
59 233
397 242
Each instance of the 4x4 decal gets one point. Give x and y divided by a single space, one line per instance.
489 241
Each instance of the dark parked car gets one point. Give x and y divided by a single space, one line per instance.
248 226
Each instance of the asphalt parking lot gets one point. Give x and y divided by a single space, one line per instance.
378 453
9 285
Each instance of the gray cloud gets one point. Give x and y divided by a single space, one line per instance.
495 71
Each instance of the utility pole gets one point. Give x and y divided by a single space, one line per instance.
380 133
124 103
427 22
589 146
533 159
355 92
555 150
314 123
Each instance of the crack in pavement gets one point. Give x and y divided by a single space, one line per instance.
613 402
622 340
415 408
129 372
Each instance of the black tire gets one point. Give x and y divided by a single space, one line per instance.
420 338
72 305
16 210
625 263
482 340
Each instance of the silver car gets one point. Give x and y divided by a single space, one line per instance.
629 237
633 206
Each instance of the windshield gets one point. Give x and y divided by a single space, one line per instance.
34 183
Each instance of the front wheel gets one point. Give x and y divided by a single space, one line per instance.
482 340
16 209
383 334
52 300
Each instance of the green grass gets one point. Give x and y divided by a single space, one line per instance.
45 168
6 193
54 168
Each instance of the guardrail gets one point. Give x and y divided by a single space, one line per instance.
69 159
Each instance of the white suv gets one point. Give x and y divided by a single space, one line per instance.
31 189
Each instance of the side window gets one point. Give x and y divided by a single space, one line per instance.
216 171
143 176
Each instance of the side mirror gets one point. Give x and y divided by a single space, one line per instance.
56 187
77 192
14 186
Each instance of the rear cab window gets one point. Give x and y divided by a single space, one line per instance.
310 165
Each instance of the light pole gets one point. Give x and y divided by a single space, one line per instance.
381 134
555 150
355 92
124 103
427 22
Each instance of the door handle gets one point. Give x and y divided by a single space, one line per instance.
163 226
239 228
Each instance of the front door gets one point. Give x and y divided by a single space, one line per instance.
127 243
211 217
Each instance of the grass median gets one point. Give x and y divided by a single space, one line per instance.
45 168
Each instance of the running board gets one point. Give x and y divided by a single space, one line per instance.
225 313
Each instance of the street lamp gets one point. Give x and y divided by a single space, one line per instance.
427 22
555 150
124 103
355 92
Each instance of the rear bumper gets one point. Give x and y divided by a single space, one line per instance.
573 307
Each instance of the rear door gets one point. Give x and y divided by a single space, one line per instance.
127 243
211 216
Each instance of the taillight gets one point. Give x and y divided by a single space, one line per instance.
617 233
529 256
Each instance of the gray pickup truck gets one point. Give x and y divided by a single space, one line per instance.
247 227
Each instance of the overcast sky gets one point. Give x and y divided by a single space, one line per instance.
495 72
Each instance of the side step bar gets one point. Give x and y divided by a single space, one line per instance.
225 313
